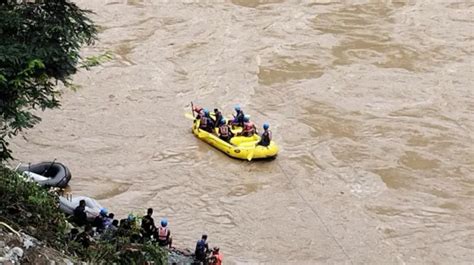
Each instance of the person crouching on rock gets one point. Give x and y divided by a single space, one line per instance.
216 257
163 234
99 221
110 231
86 237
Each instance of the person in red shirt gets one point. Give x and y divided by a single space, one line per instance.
216 257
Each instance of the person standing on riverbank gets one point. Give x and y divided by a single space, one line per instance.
80 216
201 249
148 224
163 234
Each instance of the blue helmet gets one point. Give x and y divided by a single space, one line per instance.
222 121
103 211
266 126
237 107
206 112
131 217
164 222
246 118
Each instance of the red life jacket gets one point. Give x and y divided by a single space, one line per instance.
249 127
224 130
218 259
162 233
198 109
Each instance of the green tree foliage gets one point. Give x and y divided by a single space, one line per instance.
39 48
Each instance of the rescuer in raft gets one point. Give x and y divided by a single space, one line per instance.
238 117
224 131
206 122
249 128
217 117
266 136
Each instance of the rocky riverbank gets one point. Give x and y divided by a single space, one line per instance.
18 247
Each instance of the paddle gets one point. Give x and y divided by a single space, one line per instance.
189 116
46 171
250 155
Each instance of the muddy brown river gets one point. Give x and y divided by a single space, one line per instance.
371 102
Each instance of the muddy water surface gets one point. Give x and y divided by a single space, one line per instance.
372 104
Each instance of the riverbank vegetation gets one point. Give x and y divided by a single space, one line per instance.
31 209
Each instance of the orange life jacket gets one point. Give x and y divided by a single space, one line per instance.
162 233
198 109
218 260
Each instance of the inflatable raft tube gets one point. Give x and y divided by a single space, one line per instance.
67 206
50 174
239 147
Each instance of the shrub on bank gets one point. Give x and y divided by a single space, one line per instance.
32 209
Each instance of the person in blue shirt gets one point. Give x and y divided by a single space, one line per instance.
238 117
201 249
99 221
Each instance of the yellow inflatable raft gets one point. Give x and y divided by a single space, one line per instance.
239 147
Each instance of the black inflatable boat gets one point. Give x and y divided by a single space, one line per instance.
51 174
